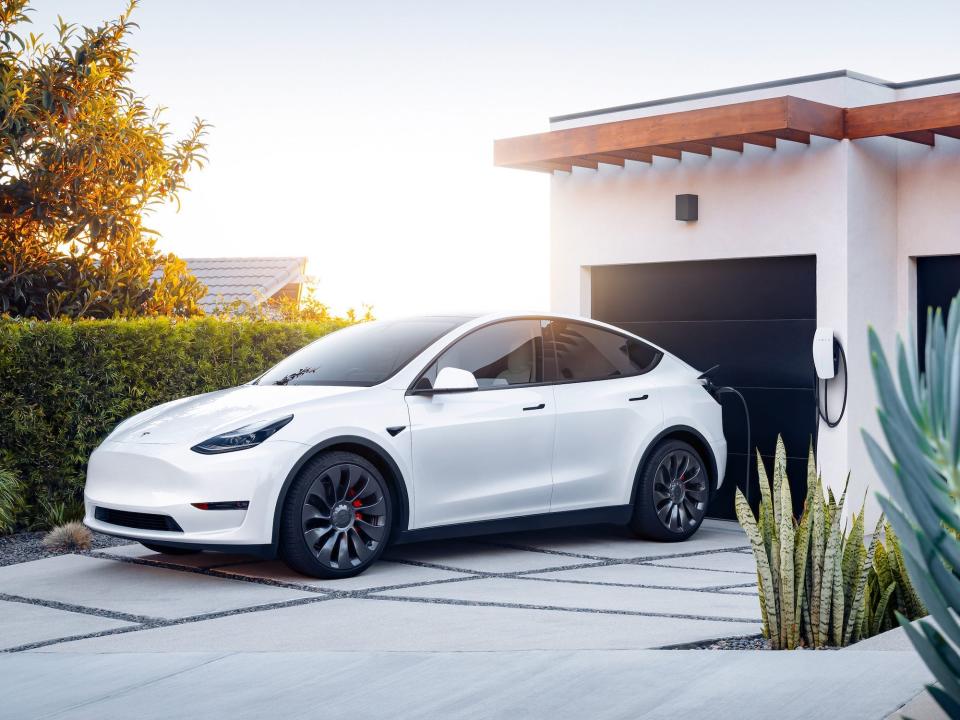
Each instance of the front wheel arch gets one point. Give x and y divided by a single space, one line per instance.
366 449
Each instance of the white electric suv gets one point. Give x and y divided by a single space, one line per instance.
429 427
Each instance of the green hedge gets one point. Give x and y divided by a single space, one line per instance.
65 384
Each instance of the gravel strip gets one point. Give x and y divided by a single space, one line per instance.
749 642
746 642
24 547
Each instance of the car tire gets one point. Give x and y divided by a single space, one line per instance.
671 502
167 550
337 517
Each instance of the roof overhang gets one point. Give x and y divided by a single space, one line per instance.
918 120
730 127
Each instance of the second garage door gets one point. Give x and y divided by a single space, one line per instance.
755 318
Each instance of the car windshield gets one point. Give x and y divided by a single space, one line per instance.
362 355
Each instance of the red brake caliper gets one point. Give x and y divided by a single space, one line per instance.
356 504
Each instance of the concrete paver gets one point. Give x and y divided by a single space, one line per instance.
634 574
616 542
21 624
593 597
382 574
387 625
134 589
469 556
735 562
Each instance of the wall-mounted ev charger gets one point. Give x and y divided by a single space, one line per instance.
825 353
828 358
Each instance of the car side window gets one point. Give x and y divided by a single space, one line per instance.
576 351
500 355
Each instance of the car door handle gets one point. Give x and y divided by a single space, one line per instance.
642 397
541 406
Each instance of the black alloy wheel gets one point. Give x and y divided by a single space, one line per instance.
680 491
337 517
672 493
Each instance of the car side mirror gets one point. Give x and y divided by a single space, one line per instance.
452 380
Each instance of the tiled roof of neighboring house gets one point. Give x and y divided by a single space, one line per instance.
249 279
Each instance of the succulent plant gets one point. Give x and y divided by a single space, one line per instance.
813 574
920 416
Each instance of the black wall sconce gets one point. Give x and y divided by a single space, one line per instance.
687 207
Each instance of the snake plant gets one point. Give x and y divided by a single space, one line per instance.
819 583
920 416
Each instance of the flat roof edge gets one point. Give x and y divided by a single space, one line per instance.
759 86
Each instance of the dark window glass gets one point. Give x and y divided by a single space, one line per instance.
364 355
500 355
576 351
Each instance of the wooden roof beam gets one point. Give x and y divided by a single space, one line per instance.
952 132
664 151
922 137
578 161
732 144
696 126
797 136
635 155
903 116
694 147
606 159
768 141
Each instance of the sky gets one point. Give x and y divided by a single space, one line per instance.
360 134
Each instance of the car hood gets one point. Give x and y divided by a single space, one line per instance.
194 419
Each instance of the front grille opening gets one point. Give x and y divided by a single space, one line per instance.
138 520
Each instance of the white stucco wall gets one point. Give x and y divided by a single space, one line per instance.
864 208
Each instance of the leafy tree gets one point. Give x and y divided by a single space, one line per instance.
81 160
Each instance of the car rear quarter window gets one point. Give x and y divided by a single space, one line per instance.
579 352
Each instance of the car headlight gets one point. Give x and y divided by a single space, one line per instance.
242 438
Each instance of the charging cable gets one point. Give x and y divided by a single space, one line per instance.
823 413
746 416
717 391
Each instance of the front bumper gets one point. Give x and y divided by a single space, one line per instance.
166 479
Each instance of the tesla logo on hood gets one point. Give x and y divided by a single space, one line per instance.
145 432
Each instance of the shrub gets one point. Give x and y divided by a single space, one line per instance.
920 417
11 500
65 384
70 536
819 584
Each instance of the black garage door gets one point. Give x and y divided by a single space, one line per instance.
938 282
755 318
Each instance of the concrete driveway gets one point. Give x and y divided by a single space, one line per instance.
584 588
557 623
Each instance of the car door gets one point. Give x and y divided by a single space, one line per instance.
485 454
608 408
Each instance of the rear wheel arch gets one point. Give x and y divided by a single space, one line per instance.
688 435
370 451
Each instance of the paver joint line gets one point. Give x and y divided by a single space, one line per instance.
639 558
80 609
168 622
524 606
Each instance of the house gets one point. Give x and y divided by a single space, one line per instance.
728 226
250 280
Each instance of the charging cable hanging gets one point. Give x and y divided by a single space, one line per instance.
717 391
823 413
